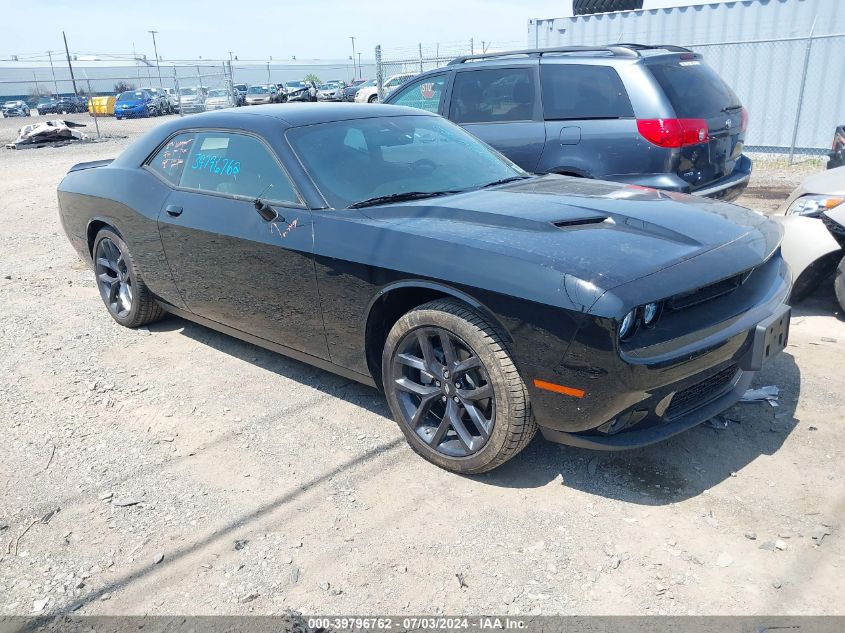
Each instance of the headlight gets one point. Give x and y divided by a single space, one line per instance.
650 313
626 328
813 205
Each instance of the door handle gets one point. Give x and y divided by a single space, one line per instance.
173 210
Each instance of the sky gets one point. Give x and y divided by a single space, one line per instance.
255 30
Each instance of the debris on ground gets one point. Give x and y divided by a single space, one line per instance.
819 532
241 543
768 393
53 133
125 502
461 582
718 422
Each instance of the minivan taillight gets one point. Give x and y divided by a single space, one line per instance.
674 132
744 120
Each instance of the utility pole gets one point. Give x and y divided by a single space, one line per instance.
231 70
360 72
268 73
53 70
69 65
352 37
155 50
37 90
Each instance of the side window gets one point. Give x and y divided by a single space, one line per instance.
237 165
572 91
487 96
425 94
169 162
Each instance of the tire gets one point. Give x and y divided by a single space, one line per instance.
462 434
839 283
372 99
124 293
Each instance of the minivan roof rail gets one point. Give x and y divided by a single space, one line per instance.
620 50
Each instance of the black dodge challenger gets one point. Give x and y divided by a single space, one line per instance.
388 245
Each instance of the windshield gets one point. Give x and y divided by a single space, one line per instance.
257 90
240 87
46 100
188 92
395 155
294 84
217 93
130 96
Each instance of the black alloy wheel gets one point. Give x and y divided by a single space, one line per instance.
452 387
122 290
113 278
444 392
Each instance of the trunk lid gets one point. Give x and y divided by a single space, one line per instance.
695 91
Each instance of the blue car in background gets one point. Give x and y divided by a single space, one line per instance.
135 103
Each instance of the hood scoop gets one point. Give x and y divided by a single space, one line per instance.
582 221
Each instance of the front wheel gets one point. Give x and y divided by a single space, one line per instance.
839 283
452 387
372 99
125 294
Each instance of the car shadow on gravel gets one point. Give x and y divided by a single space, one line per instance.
303 373
679 468
671 471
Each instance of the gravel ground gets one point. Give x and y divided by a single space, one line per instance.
174 470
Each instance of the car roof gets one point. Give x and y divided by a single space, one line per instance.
304 114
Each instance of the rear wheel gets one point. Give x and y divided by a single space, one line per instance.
839 283
453 388
124 293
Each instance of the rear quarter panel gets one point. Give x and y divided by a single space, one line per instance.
129 200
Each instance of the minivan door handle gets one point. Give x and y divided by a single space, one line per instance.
173 210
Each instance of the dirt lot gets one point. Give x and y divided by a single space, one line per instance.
179 471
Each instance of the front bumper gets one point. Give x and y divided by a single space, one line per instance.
670 381
191 108
132 112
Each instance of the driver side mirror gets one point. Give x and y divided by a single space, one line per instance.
266 211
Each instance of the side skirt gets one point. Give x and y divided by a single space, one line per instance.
320 363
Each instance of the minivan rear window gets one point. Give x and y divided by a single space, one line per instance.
693 88
581 91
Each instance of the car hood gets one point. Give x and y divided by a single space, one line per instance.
130 104
602 233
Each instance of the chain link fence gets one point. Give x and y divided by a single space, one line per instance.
792 88
94 103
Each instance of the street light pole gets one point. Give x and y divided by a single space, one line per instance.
268 72
155 50
53 70
352 37
360 72
69 65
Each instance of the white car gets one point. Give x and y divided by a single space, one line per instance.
370 93
218 99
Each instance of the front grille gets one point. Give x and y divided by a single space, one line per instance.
834 227
708 293
701 393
